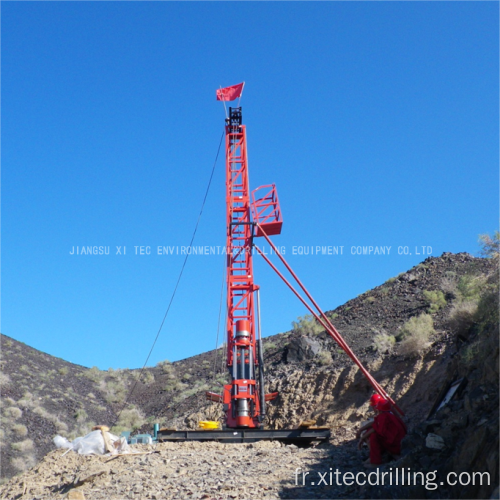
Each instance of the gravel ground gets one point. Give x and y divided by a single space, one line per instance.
211 470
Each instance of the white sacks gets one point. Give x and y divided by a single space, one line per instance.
93 443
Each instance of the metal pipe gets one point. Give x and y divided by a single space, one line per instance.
330 329
250 364
262 396
242 363
234 364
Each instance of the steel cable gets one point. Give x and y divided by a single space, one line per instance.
176 285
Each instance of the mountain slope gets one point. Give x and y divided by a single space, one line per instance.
43 395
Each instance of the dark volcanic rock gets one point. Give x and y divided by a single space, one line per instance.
301 349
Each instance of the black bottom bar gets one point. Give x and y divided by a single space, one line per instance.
289 436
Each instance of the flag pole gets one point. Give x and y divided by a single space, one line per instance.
239 98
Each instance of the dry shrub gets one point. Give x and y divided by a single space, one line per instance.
470 287
416 332
307 325
324 358
4 380
449 285
23 446
488 308
13 412
148 378
469 355
28 400
383 343
435 299
114 390
42 412
166 366
462 316
490 245
130 419
81 415
20 430
94 374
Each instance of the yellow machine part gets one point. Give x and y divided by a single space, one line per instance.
208 424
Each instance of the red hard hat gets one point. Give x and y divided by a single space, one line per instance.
383 405
374 400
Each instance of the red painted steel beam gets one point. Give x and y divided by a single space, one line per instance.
324 320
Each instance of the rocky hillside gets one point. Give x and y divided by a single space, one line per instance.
417 333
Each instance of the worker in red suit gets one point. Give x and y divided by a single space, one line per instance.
383 434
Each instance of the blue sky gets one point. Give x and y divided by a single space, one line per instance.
377 121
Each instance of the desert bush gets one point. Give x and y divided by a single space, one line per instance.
114 390
23 446
13 412
94 374
148 378
59 425
20 430
186 376
324 358
435 299
490 245
370 299
462 316
4 380
449 283
63 370
469 287
165 366
269 345
80 415
307 325
416 332
383 343
488 307
171 386
188 393
130 420
219 380
469 354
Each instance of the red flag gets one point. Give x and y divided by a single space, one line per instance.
230 93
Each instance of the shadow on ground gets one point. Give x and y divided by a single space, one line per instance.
338 472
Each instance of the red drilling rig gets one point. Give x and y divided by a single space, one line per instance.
244 399
249 216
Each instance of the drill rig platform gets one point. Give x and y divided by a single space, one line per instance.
301 436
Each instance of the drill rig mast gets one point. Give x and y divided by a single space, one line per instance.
243 398
242 401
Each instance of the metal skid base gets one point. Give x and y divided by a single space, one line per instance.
289 436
